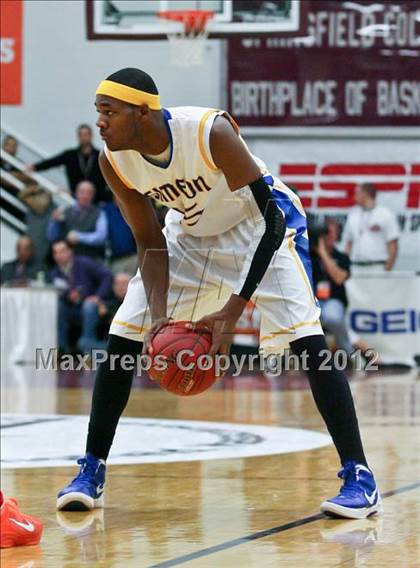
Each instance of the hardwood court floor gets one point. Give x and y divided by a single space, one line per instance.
246 512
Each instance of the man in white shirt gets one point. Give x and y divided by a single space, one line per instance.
371 233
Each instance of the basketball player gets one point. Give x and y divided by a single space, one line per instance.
233 233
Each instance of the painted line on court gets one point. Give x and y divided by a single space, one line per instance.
164 440
267 532
31 422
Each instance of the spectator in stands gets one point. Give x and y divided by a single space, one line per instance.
121 241
330 269
81 163
108 308
83 225
40 207
10 145
371 233
22 269
123 247
85 283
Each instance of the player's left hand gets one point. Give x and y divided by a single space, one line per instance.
222 324
222 328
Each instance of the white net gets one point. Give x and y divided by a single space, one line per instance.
187 51
188 45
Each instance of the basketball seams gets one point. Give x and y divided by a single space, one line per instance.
172 339
172 379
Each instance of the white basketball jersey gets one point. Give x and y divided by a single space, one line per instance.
190 183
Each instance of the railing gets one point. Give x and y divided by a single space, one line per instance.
17 209
30 153
13 200
12 180
12 221
60 195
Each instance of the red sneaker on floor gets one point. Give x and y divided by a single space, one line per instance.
16 528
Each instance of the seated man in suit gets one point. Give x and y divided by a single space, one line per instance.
85 283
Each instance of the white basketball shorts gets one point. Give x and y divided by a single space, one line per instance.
205 271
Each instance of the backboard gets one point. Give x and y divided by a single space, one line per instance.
137 19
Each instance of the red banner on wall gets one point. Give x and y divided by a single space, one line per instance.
11 52
357 65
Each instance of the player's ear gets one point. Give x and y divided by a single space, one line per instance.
143 111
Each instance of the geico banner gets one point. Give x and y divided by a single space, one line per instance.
11 52
325 173
385 313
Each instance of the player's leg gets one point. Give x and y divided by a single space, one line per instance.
332 396
359 496
111 392
290 316
110 395
113 381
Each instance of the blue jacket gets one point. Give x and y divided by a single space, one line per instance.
89 277
120 237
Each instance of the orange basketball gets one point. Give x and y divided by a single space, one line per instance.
180 365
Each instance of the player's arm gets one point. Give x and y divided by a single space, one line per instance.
231 155
151 243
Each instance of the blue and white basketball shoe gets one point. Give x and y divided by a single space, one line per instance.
85 492
358 498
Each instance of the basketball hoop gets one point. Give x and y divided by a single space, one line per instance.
187 45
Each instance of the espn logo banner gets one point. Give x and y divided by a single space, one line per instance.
333 185
11 52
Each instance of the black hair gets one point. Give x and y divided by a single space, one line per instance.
84 126
315 232
24 236
9 137
135 78
369 189
59 241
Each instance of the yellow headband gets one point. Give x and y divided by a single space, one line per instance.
128 94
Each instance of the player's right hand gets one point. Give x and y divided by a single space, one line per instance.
156 326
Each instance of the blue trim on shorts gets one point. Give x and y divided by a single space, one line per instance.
297 221
269 179
302 248
294 218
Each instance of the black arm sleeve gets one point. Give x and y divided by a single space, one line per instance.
275 228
